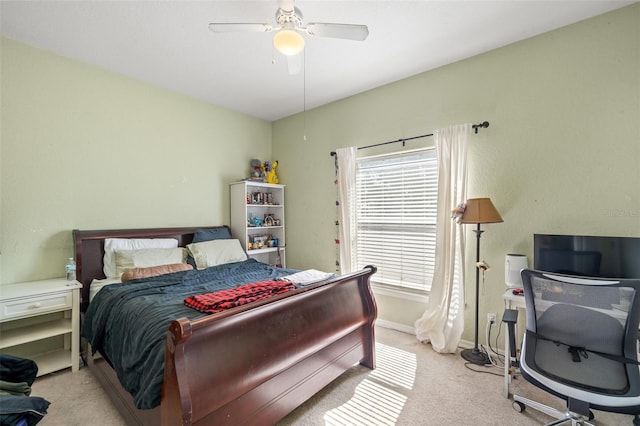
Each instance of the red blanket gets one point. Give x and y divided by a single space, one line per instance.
218 301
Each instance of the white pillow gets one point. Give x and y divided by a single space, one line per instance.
216 252
111 244
144 258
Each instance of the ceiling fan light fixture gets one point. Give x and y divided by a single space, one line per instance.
288 42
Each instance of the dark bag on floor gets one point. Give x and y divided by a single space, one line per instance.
16 407
14 369
22 410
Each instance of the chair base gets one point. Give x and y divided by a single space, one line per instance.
475 356
563 417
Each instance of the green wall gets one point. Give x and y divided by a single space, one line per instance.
86 148
562 153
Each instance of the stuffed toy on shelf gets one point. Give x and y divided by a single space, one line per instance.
270 169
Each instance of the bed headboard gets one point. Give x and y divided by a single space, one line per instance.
89 249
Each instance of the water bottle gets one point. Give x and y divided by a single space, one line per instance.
71 269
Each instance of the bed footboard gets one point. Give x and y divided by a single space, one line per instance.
255 364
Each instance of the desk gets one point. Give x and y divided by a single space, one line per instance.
511 301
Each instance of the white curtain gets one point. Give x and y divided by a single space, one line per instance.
442 323
346 208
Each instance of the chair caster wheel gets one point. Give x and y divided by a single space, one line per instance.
518 406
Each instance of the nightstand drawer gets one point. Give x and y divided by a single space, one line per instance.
30 306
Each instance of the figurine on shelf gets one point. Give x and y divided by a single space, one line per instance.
268 220
270 169
255 222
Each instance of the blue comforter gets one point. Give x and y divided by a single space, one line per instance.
128 323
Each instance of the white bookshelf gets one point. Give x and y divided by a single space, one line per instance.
257 200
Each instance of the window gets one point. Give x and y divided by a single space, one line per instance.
396 206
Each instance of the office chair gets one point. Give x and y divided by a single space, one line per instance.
580 344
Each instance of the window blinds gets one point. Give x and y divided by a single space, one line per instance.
396 217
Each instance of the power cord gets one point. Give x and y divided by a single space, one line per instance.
496 359
498 355
488 368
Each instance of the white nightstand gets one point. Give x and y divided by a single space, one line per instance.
28 300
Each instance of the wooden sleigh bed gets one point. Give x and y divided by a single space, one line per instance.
251 364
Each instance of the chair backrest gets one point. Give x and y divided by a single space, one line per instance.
584 330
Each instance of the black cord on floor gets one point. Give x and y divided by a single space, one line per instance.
468 364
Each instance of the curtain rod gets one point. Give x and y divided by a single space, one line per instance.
475 127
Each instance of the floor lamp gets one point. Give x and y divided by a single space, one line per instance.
478 210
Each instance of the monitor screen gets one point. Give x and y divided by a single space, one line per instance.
592 256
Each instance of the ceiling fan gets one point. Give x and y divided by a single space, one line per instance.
288 27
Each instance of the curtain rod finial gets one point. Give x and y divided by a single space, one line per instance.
484 125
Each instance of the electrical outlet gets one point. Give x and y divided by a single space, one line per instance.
491 318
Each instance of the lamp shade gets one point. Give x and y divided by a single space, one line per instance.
288 42
480 210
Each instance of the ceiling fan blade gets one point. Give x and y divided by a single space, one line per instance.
220 27
345 31
294 63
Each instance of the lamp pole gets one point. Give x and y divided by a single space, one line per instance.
475 356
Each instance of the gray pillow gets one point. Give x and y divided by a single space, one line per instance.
221 233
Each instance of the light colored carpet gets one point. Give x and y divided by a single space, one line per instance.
412 385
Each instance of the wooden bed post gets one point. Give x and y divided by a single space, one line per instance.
176 402
369 359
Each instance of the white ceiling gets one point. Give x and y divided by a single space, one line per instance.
168 43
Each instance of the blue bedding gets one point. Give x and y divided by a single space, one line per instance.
128 323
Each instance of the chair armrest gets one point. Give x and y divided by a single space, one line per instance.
510 316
